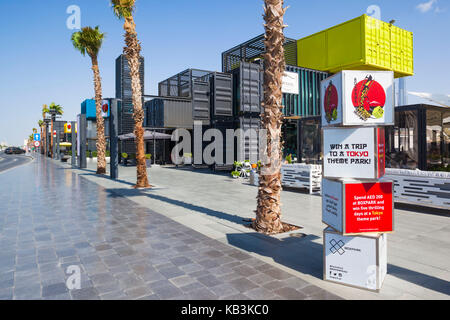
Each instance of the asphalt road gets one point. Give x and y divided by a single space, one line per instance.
9 161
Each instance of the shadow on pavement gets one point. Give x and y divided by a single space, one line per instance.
143 192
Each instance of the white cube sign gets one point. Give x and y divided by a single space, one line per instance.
353 152
360 98
353 207
358 261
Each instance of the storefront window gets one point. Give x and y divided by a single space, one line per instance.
402 141
311 141
290 139
437 140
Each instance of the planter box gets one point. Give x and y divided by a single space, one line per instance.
354 153
358 98
357 261
352 207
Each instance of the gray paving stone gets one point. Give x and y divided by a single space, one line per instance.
209 281
85 294
243 284
54 289
290 293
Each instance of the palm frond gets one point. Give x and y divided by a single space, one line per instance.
88 40
123 8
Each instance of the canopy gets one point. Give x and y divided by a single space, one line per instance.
148 135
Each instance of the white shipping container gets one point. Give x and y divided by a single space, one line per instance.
357 261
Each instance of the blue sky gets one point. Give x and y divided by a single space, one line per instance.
39 65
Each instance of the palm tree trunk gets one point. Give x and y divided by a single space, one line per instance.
132 52
268 212
101 141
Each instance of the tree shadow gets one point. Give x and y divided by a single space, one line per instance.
122 192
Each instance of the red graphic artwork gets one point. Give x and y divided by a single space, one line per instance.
330 102
368 98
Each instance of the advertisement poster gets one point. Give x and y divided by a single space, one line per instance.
360 98
331 100
105 108
353 260
368 207
353 153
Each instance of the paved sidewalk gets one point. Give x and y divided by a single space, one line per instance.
51 219
215 205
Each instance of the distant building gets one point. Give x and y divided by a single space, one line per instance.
123 92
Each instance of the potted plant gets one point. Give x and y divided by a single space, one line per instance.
235 174
148 160
125 158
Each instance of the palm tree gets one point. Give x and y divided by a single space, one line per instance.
89 41
123 9
41 126
54 110
45 110
268 213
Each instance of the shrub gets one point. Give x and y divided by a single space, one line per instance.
289 159
148 156
235 174
107 154
124 155
94 154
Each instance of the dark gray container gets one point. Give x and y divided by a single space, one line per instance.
169 113
249 141
201 101
221 85
248 90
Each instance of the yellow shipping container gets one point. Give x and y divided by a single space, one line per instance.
364 43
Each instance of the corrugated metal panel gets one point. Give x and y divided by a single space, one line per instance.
307 102
250 87
169 113
249 142
228 146
222 94
200 100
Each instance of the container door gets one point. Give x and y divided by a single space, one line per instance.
223 95
251 83
249 146
200 100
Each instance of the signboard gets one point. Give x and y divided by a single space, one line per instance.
354 97
351 207
290 83
37 144
359 261
105 108
67 127
37 137
354 152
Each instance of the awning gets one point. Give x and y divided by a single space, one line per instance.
148 135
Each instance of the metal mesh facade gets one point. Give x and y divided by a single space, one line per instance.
254 49
180 85
123 92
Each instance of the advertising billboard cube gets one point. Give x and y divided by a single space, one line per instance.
357 261
353 207
358 98
354 153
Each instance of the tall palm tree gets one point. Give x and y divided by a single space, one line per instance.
268 212
45 110
41 126
89 41
54 110
123 9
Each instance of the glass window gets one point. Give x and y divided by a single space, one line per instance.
402 141
437 157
